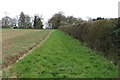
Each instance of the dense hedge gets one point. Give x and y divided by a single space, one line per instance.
101 35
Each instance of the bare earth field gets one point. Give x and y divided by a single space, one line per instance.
16 43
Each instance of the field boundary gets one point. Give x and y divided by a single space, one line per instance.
29 52
38 45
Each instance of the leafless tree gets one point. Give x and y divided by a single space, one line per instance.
6 22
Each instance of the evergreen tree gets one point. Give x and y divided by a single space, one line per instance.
21 21
38 22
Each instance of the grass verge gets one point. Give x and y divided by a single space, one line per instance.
61 56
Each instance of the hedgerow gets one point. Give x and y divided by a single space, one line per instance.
101 35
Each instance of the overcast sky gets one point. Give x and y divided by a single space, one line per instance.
77 8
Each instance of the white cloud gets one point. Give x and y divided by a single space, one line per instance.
77 8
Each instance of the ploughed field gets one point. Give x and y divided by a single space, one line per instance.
16 43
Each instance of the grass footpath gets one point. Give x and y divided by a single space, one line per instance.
61 56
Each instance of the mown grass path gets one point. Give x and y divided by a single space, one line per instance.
61 56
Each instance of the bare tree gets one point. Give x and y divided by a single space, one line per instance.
6 22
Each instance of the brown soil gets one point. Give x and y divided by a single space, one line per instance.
18 43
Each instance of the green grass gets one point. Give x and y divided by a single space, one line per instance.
61 56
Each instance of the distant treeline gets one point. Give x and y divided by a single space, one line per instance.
22 22
99 34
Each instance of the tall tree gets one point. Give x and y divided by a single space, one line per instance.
38 22
28 23
21 21
57 20
24 21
